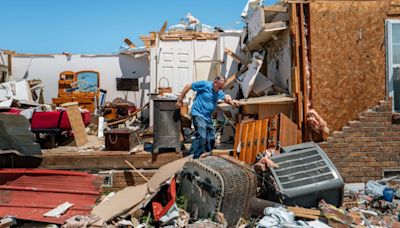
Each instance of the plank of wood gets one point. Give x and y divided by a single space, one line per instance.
287 131
76 122
130 43
300 215
267 100
276 8
105 160
236 57
306 211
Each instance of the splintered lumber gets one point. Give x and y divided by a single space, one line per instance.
76 121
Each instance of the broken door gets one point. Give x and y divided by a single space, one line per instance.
174 68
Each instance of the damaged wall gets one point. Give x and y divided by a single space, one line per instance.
279 61
347 58
48 68
366 146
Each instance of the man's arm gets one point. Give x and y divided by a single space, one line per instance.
183 94
228 99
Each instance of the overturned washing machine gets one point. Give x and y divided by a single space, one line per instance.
218 184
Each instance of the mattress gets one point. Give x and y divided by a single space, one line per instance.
55 119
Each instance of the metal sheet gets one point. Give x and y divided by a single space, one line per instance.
29 193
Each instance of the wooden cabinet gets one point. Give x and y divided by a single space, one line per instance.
81 87
253 137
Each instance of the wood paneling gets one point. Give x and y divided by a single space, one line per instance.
347 58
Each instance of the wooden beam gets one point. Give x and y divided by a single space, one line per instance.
235 56
9 64
105 160
129 42
304 63
276 8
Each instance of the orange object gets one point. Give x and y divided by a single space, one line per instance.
68 81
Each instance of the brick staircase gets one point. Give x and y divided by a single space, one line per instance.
366 146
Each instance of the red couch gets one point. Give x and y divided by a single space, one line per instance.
55 119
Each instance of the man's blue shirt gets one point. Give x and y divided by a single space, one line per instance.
206 99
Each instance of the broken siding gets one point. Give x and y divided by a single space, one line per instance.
347 58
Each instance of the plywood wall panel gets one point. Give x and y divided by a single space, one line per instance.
347 58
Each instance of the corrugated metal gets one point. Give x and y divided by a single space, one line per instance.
29 193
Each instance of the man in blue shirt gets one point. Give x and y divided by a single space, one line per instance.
207 96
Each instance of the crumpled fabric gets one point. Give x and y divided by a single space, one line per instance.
374 188
279 217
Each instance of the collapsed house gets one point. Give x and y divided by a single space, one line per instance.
322 71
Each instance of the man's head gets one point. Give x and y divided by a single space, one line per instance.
219 82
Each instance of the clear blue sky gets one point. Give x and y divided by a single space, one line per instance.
99 26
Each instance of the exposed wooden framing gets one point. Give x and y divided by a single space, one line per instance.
105 160
235 56
304 65
296 83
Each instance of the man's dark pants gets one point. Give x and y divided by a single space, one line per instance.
204 136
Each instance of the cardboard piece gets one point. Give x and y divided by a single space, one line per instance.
165 172
121 202
131 198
